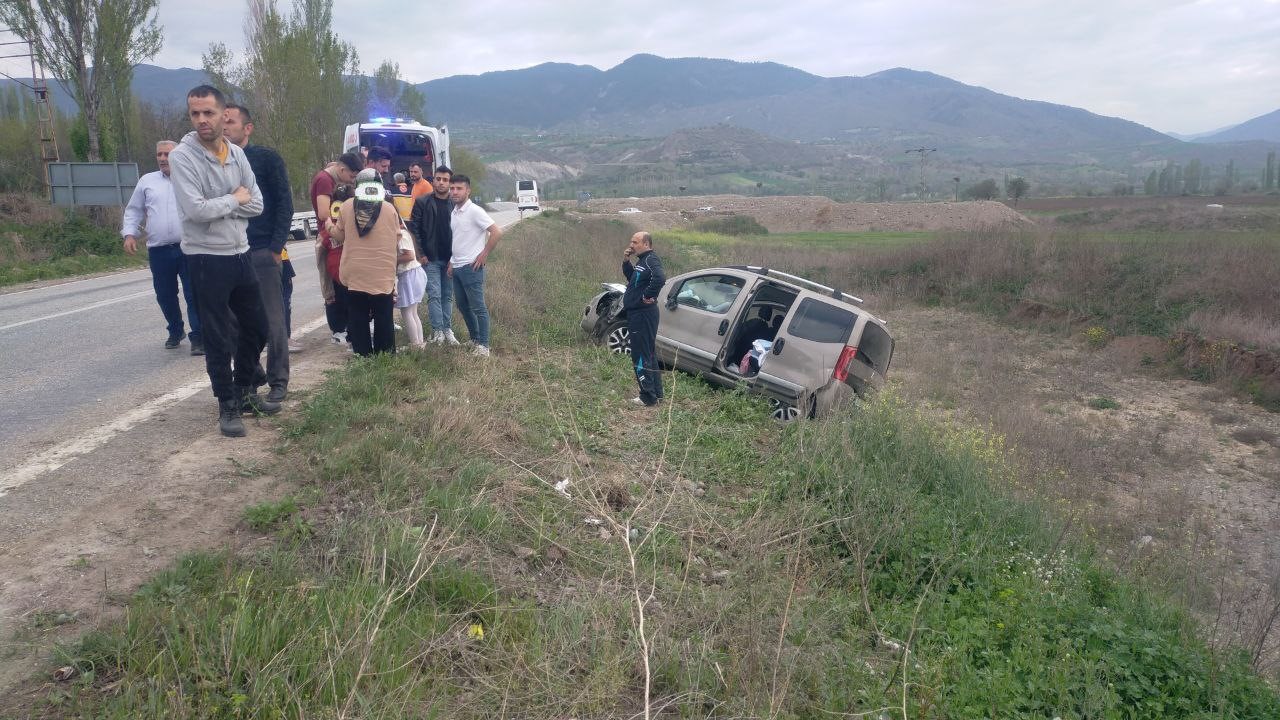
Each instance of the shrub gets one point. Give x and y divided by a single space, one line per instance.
731 225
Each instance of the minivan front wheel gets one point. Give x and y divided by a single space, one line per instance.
617 338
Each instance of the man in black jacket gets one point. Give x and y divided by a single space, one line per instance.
643 270
429 225
267 234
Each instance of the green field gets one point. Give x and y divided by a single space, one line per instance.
701 561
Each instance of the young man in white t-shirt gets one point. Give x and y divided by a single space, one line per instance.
474 236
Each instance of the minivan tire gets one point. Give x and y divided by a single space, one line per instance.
617 337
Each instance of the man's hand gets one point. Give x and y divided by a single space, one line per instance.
449 270
242 195
626 254
423 259
479 261
648 301
130 244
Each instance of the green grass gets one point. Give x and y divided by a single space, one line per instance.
49 250
876 561
1103 403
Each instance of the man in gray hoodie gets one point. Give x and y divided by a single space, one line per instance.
217 194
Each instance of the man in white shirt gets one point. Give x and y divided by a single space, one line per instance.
474 236
154 206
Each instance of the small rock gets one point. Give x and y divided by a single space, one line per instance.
593 521
64 673
562 487
523 552
554 554
605 534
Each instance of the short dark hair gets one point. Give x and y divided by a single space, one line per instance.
444 169
461 179
202 91
415 165
245 115
352 160
377 154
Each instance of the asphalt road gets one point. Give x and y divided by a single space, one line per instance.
80 355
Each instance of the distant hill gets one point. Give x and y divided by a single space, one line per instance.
652 96
152 84
1263 127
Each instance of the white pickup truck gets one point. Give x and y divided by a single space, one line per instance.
303 225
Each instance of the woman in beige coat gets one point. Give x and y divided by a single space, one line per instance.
368 228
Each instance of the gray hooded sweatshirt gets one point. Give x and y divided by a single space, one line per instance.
213 222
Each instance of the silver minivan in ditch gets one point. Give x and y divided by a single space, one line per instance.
803 345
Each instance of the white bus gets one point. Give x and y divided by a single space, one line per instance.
527 195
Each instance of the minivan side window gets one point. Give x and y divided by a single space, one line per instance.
821 322
714 293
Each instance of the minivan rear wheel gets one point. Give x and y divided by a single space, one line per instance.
786 412
617 338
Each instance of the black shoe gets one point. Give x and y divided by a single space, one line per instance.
277 394
197 347
174 341
252 402
229 421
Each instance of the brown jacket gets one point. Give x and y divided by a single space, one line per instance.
368 263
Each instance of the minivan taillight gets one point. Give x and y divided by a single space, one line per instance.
841 373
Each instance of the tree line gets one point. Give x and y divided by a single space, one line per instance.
299 79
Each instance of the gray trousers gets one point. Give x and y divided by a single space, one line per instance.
277 338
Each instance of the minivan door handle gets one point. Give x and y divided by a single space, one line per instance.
778 345
724 327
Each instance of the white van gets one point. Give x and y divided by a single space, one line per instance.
408 140
527 195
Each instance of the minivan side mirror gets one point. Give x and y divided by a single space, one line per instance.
672 301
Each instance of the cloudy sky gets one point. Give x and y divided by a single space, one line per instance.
1172 65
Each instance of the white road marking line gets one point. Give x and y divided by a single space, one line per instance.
60 455
92 306
110 274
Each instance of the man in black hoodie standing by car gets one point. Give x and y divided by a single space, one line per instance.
643 270
429 223
267 234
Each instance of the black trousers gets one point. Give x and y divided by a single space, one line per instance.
231 318
336 312
363 306
270 282
642 326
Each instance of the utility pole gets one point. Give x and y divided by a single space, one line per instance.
924 152
957 182
40 89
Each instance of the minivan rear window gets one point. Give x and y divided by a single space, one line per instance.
821 322
875 347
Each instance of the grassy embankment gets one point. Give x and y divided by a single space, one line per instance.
702 561
39 242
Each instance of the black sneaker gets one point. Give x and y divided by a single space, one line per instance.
174 341
197 347
277 394
229 421
252 402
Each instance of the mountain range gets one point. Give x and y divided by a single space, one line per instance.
884 114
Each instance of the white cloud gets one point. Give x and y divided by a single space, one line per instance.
1176 65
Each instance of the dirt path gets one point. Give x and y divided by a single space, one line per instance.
1181 479
78 541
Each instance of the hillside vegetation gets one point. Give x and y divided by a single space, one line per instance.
40 242
470 539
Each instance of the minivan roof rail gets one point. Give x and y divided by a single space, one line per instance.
804 281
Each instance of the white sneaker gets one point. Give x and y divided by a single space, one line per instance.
481 351
437 338
394 326
637 401
450 339
339 338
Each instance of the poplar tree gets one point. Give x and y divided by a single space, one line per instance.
89 46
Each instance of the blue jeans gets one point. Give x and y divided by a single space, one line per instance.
439 295
168 265
468 291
